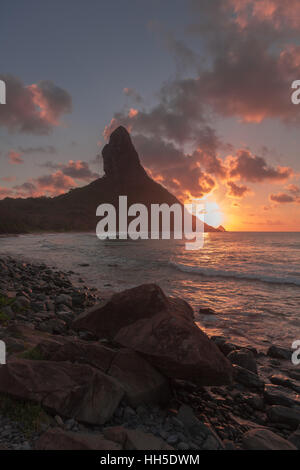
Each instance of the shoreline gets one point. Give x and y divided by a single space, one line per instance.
39 302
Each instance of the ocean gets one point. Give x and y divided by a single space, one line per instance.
251 280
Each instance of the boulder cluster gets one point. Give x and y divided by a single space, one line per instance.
133 371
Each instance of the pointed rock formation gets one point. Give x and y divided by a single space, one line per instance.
120 159
76 210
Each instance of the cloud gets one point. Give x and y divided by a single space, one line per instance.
180 173
254 57
5 192
236 190
294 189
253 168
33 109
15 158
75 169
41 149
50 185
248 76
282 198
63 178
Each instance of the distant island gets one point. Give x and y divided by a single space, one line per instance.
76 210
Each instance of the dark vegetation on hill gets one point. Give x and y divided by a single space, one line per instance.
76 210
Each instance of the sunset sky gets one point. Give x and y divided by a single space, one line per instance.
204 86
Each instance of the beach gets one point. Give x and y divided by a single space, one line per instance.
41 305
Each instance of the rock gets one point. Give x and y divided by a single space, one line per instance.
59 421
162 330
283 415
212 442
139 380
133 439
226 347
78 351
195 428
183 446
284 382
120 159
206 311
71 390
243 358
279 353
247 378
255 402
26 337
64 299
57 439
23 301
294 438
54 326
277 395
229 445
294 374
263 439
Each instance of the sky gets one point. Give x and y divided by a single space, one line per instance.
204 87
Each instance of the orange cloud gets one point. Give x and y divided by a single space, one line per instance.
15 158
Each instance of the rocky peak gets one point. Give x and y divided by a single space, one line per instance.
120 159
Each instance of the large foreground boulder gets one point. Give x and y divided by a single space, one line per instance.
162 329
141 382
70 390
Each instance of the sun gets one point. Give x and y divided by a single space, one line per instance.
213 214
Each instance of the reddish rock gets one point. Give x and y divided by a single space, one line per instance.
163 331
74 350
123 309
140 381
58 439
133 439
263 439
70 390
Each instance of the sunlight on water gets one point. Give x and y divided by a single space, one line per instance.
251 280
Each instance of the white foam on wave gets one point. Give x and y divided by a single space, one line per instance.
238 275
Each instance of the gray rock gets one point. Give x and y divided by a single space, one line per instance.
279 353
198 429
64 299
283 415
212 442
243 358
295 438
183 446
226 347
23 302
284 382
247 378
278 395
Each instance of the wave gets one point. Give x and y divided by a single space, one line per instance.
237 275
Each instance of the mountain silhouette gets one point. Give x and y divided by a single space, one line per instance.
76 210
